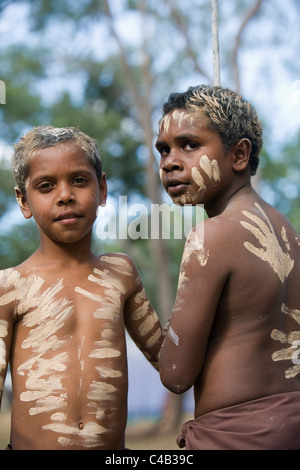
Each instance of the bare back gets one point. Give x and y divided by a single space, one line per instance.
237 309
69 362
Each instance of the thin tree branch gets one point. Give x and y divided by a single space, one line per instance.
215 42
189 49
251 13
141 102
128 75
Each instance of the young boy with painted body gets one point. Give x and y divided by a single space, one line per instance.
63 311
234 333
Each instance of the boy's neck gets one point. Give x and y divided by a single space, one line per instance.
244 189
68 254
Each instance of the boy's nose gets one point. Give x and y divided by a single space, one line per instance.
65 194
172 162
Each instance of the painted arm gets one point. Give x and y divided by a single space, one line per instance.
201 281
6 331
142 322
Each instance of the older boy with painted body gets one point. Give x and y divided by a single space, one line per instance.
63 311
234 333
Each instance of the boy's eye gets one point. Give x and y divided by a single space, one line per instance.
165 150
191 145
80 180
45 186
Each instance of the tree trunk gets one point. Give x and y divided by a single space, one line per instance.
158 247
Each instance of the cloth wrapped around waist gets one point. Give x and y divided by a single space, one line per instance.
269 423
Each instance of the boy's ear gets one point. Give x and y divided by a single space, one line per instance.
103 189
241 154
23 204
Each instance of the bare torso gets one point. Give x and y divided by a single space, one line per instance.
68 362
238 339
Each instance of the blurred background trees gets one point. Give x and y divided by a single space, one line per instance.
107 66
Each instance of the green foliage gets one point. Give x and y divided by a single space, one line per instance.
281 180
68 74
44 11
6 188
17 244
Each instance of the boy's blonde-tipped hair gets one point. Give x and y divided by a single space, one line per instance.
42 137
227 113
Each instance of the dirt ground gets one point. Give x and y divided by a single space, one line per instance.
138 436
4 429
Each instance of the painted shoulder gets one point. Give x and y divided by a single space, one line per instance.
119 262
217 229
8 277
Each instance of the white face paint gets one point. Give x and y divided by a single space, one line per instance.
187 198
197 177
210 168
179 116
270 249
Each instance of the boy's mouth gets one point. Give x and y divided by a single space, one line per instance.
175 187
68 216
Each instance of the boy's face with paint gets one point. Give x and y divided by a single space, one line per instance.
193 166
63 193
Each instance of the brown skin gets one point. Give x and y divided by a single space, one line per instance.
67 347
223 335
